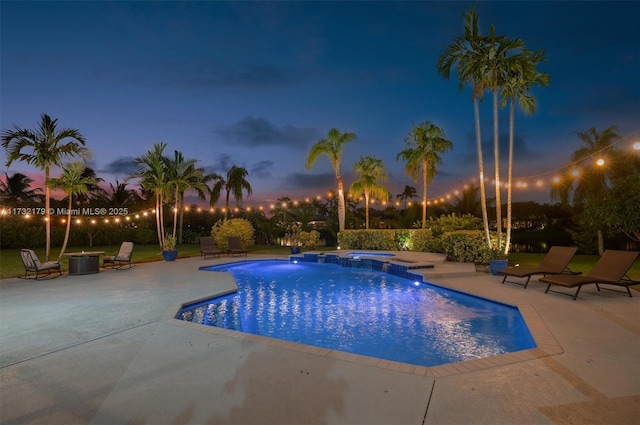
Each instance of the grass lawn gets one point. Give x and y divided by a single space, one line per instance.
11 265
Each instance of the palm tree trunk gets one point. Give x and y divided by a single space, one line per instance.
483 194
512 109
366 210
181 218
496 156
66 233
600 242
226 210
47 216
341 206
424 195
175 215
158 221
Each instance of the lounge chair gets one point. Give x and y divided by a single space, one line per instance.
611 269
235 246
32 264
208 247
122 258
555 262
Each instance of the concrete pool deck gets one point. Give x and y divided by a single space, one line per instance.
104 349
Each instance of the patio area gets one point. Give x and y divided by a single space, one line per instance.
105 349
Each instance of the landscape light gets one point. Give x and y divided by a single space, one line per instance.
636 146
600 162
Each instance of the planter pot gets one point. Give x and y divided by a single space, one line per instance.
495 265
295 250
170 255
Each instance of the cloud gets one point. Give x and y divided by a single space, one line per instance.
261 169
121 166
221 165
252 131
295 181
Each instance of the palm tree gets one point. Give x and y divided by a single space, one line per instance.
184 176
73 181
94 191
44 147
332 147
371 172
236 183
409 192
467 202
499 60
16 190
592 181
464 54
424 143
120 196
517 88
153 173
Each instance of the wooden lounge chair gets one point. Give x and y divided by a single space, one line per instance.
32 264
122 258
611 269
208 247
555 262
235 246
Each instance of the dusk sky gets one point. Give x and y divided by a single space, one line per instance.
256 84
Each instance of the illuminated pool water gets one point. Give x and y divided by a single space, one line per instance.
363 312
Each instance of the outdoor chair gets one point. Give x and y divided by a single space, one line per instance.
32 264
611 269
122 258
555 262
235 246
208 247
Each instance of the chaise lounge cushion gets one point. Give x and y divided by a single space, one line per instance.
611 269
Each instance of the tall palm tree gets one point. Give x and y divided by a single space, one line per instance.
16 190
236 182
73 181
424 144
44 147
466 51
153 172
517 88
500 58
184 177
409 192
332 147
371 172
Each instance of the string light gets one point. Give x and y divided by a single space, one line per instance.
538 181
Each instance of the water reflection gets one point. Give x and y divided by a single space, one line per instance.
363 312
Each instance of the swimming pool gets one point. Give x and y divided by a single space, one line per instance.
369 254
361 311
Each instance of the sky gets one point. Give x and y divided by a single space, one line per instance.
256 84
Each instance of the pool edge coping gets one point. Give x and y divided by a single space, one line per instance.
546 343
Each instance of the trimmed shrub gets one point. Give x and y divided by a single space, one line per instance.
376 239
422 240
238 227
468 246
310 239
